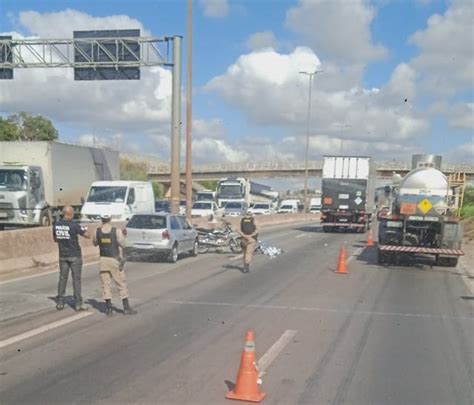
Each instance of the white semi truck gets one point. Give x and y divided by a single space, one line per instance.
233 189
37 179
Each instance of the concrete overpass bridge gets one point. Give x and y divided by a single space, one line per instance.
278 169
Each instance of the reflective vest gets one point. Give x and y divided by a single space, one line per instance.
247 225
108 244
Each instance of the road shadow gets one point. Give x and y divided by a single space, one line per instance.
230 385
99 306
310 229
468 297
233 267
68 300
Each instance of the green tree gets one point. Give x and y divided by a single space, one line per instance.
27 127
8 130
131 170
209 184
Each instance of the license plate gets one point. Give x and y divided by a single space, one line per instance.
3 215
393 224
143 246
343 220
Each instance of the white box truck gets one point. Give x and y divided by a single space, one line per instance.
348 193
37 179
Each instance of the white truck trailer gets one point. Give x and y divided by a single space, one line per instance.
37 179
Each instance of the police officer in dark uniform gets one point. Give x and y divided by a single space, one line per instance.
65 234
249 232
110 239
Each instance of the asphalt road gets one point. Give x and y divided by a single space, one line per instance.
380 335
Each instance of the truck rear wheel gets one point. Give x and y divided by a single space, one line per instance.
45 218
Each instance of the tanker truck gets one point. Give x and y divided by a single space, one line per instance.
422 218
37 179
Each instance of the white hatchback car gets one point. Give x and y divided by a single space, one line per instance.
159 234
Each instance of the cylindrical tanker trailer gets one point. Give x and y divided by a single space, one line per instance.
422 220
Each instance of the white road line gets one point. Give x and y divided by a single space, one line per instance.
301 235
42 329
41 274
355 254
318 309
271 354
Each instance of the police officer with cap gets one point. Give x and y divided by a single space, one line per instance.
110 240
248 230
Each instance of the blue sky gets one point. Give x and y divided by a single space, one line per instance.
249 100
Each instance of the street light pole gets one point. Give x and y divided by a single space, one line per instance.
342 136
308 121
189 119
176 125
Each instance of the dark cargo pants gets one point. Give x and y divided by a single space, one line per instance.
75 264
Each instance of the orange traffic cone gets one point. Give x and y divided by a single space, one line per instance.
341 265
246 387
370 239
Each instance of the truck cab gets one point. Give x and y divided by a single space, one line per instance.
22 196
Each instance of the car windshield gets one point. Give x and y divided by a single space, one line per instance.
202 206
286 207
230 189
233 205
13 180
109 194
261 207
162 205
147 222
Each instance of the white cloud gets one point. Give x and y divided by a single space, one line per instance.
446 57
462 153
262 40
337 29
121 106
267 87
215 8
217 150
62 24
213 128
461 116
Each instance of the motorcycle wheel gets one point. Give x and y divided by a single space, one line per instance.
235 245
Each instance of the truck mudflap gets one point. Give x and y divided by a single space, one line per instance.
416 249
343 224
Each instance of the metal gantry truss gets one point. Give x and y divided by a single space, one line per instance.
56 53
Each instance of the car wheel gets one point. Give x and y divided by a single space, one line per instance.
195 250
173 255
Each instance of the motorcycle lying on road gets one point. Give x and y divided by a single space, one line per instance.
219 239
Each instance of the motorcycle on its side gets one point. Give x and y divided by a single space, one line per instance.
223 239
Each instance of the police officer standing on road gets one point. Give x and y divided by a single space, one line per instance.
65 233
110 240
248 230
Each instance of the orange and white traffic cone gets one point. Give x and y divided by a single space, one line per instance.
370 239
246 386
341 264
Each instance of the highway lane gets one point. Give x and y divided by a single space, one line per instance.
379 335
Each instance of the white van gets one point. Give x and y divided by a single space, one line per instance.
119 199
288 207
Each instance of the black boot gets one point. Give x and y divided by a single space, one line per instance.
108 307
127 310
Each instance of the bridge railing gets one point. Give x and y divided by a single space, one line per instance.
258 166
